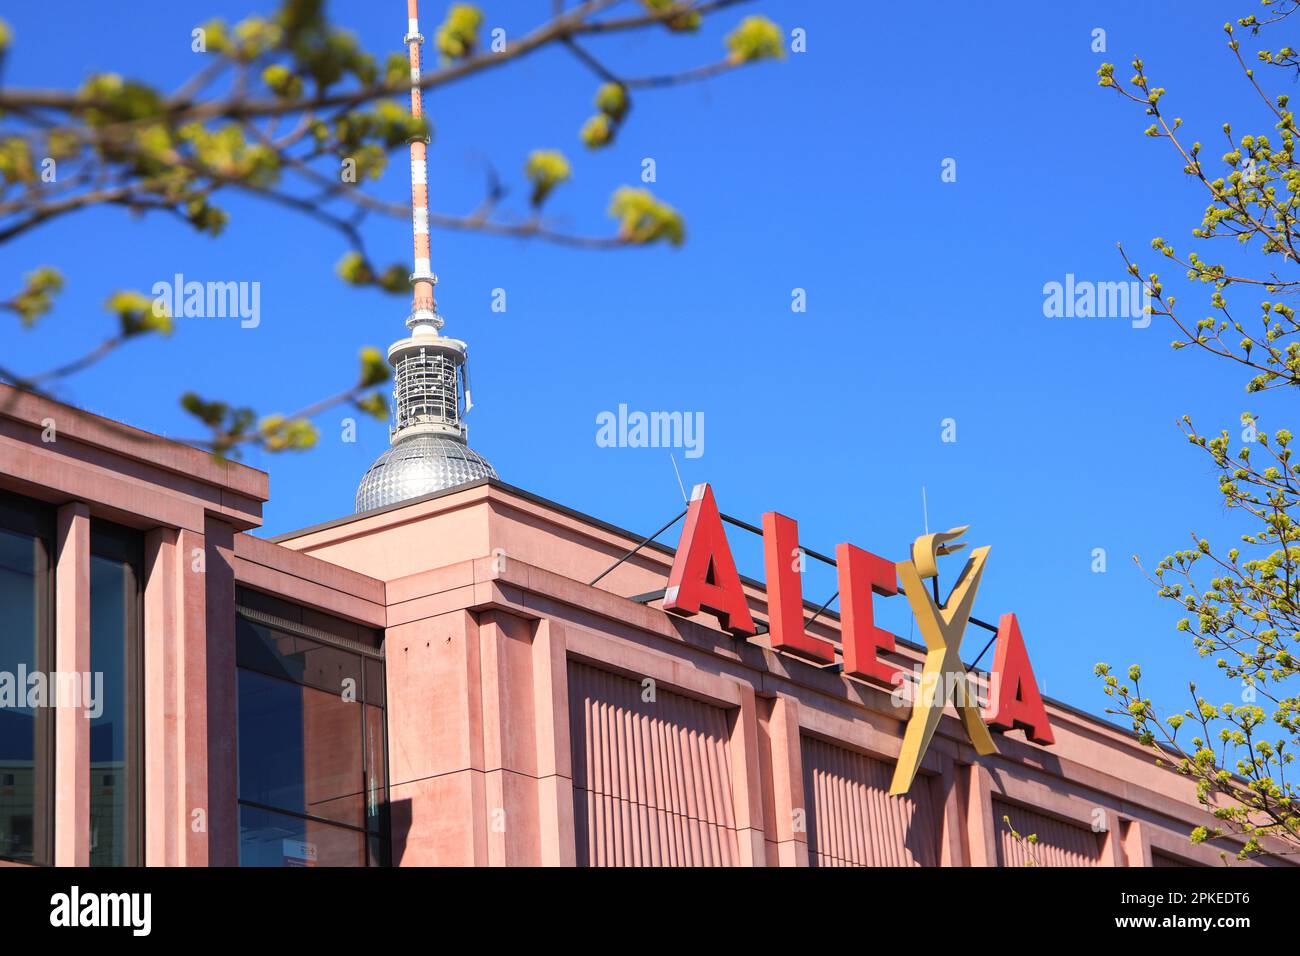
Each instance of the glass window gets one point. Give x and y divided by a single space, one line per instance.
313 787
26 649
377 784
117 704
301 750
267 838
301 660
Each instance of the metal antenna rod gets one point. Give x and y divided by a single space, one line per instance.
673 458
424 307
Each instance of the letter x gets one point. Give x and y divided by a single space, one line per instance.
942 628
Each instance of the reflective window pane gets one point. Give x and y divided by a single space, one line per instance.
267 838
25 646
116 703
376 771
299 749
299 659
313 777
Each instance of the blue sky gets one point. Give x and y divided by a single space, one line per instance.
821 172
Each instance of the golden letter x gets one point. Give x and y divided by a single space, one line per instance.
942 628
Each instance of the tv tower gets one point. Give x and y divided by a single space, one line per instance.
428 440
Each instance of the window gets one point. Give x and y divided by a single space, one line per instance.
116 698
313 787
26 649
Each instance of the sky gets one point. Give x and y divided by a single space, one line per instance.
821 172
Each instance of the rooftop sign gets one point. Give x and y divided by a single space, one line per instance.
704 578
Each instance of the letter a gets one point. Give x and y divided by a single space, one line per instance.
1019 703
704 572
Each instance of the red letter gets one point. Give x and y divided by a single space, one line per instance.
862 574
785 591
1018 702
704 573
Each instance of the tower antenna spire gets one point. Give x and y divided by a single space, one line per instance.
424 306
428 438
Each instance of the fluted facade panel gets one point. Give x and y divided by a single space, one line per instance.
651 779
1059 843
852 819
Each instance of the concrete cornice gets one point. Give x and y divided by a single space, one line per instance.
133 443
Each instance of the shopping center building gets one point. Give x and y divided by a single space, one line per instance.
438 681
463 673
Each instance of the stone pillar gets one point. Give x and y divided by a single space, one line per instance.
746 779
435 742
953 849
510 740
786 812
221 730
162 783
1112 841
71 656
554 749
1137 851
175 692
981 828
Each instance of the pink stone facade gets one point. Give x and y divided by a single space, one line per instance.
533 719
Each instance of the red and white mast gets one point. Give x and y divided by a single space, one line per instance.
424 307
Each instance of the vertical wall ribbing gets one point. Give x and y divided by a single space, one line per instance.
1059 843
651 779
852 819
